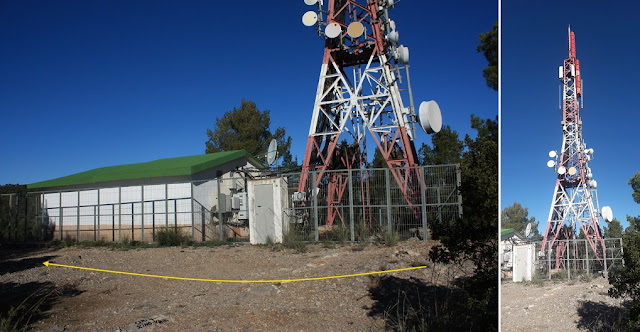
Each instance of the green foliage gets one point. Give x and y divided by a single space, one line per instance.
170 237
634 182
489 46
378 160
447 148
248 128
614 229
626 279
517 217
474 236
295 239
338 234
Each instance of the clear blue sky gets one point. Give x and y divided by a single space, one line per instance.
88 84
534 44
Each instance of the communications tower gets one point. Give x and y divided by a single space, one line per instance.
360 90
574 207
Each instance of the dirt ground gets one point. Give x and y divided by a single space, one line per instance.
77 300
581 305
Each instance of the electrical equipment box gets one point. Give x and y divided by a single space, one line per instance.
235 202
224 203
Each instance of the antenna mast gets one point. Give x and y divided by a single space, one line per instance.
575 206
359 91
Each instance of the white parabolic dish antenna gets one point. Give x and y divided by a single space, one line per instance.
430 117
310 18
332 30
272 152
607 213
527 231
310 2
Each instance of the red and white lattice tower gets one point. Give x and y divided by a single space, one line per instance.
574 208
359 91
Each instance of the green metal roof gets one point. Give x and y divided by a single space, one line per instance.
507 231
181 166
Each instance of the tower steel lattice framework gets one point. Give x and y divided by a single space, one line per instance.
574 207
359 91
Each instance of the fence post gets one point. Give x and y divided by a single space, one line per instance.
166 206
175 214
569 259
142 213
458 184
315 206
133 221
153 220
26 214
549 258
193 219
119 214
220 233
78 218
423 189
113 223
42 216
586 250
99 224
351 226
95 236
604 253
388 193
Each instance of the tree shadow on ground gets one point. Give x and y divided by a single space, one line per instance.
412 304
23 304
600 316
13 266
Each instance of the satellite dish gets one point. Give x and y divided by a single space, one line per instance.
594 184
393 37
552 154
392 24
402 54
272 152
589 175
355 29
527 231
561 170
607 213
310 2
430 117
551 163
572 170
332 30
310 18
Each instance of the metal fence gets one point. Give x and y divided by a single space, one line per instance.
216 210
578 259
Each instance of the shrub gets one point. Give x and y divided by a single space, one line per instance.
170 237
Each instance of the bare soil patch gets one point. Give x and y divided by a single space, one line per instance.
77 300
581 305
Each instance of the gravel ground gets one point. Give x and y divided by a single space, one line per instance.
78 300
559 306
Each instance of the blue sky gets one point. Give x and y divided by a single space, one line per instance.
88 84
534 44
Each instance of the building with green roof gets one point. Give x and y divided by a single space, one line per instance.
133 201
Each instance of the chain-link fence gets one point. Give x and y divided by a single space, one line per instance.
371 203
574 259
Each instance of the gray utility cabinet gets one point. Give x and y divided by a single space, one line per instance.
268 206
